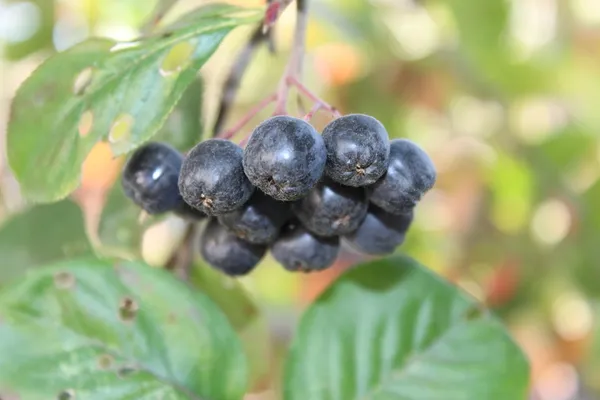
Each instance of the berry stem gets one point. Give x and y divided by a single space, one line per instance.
294 65
313 111
312 96
228 134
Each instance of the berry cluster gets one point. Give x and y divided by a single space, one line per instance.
291 191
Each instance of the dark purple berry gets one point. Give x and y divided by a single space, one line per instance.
285 157
150 178
259 220
410 175
358 150
212 178
299 250
226 252
380 232
331 209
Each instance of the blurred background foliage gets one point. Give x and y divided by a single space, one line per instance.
504 94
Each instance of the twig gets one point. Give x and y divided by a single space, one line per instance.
308 93
273 12
291 77
313 111
232 84
159 12
297 57
228 134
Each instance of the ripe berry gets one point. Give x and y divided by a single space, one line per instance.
150 178
299 250
285 157
380 232
228 253
331 209
358 150
259 220
410 175
212 178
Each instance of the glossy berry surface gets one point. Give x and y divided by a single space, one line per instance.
410 174
299 250
226 252
285 157
212 178
357 150
331 209
150 178
380 232
259 220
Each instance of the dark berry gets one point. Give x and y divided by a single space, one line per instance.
410 175
228 253
150 178
299 250
331 209
259 220
212 178
358 150
285 157
380 232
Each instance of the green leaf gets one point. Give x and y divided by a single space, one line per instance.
42 234
243 314
100 91
392 329
126 331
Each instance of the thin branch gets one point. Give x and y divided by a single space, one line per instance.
232 84
313 111
228 134
160 10
296 59
313 97
274 10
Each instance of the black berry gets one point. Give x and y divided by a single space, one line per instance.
212 178
357 150
228 253
380 232
331 209
150 178
259 220
410 175
285 157
299 250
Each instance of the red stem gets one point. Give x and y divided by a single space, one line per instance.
313 111
228 134
308 93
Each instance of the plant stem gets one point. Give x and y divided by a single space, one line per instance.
313 111
291 77
228 134
296 59
232 84
159 12
308 93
